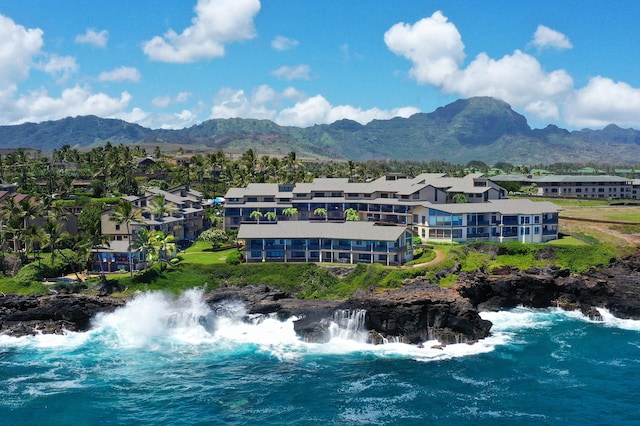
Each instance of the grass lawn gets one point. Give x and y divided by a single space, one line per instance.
566 242
568 203
201 254
616 214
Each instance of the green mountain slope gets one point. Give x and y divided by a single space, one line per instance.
480 128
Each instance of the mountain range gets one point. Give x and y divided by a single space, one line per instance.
479 128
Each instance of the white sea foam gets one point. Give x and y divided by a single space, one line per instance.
154 321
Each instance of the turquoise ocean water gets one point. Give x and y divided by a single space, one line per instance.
165 362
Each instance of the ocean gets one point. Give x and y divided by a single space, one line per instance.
160 361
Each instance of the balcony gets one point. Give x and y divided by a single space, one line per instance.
480 235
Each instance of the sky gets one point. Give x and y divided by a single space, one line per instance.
174 64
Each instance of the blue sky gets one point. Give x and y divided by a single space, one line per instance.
300 62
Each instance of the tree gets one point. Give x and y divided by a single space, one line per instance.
126 213
351 215
158 248
215 237
271 215
290 212
256 215
321 211
158 206
460 198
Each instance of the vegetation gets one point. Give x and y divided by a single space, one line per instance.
33 253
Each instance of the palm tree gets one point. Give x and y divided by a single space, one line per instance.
256 215
321 211
158 206
271 215
351 215
126 213
162 247
290 212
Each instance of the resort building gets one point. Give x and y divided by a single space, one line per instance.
345 242
577 186
498 221
307 222
389 199
184 219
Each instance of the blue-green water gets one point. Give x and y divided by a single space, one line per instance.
167 362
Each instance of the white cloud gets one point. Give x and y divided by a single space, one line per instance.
284 43
546 37
165 101
299 72
62 66
317 110
603 101
433 45
18 47
179 120
229 103
120 74
37 106
292 108
93 37
217 22
435 48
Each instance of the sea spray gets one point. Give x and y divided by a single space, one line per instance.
538 366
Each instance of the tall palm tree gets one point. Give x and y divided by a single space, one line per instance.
158 206
126 213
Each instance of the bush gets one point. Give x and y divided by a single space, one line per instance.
234 258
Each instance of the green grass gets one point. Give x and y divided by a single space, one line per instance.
568 241
568 203
201 254
614 214
422 256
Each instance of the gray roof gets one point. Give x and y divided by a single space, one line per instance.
559 178
523 206
399 186
303 229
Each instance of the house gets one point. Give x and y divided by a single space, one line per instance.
498 221
345 242
116 257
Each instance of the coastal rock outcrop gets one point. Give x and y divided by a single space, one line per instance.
413 314
28 315
616 288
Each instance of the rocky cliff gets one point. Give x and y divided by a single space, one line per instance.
417 312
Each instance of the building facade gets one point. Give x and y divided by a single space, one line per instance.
346 242
389 199
184 221
575 186
497 221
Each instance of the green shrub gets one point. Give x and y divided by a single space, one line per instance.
581 259
234 258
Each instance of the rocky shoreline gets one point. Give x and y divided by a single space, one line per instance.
419 311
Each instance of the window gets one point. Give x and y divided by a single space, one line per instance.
252 199
536 230
117 227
